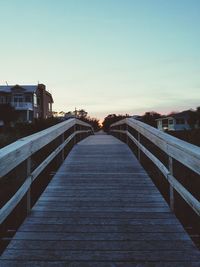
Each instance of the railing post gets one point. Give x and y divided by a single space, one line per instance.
139 154
171 189
63 150
28 194
120 135
74 134
127 134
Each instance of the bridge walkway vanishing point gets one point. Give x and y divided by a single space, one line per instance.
101 209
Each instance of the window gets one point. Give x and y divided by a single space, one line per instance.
8 99
171 122
2 100
180 121
28 99
18 98
165 122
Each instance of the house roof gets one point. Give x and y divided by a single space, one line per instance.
28 88
184 114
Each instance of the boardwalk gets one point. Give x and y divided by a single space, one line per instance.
101 209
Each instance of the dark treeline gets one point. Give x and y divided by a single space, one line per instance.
112 118
194 118
148 117
14 129
10 134
190 136
83 115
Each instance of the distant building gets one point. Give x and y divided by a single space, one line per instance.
174 122
29 101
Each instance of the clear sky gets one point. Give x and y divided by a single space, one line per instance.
106 56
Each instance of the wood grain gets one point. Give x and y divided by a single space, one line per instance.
101 210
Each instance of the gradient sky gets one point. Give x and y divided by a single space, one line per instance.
106 56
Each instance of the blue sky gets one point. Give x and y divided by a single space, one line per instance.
106 56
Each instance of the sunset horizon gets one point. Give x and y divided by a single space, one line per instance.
105 56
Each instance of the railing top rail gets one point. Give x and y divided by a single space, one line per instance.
20 150
184 152
187 154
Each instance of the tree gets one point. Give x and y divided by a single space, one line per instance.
112 118
198 116
81 113
194 118
150 118
8 114
93 122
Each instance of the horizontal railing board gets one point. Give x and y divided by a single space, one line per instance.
14 154
186 153
17 197
12 203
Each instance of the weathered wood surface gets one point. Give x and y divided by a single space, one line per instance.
101 209
14 154
184 152
174 184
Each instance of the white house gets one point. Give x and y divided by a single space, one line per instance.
174 122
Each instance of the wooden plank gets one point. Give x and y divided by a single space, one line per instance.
151 228
102 263
25 188
102 245
46 236
102 209
100 212
95 204
98 255
184 193
100 221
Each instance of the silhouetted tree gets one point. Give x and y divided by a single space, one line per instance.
194 118
112 118
150 118
81 113
93 122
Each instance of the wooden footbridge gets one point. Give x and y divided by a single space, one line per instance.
101 208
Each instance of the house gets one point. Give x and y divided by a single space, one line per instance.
29 101
174 122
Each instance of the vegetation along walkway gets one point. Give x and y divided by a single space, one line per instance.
101 209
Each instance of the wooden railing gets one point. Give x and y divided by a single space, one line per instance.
22 151
181 151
